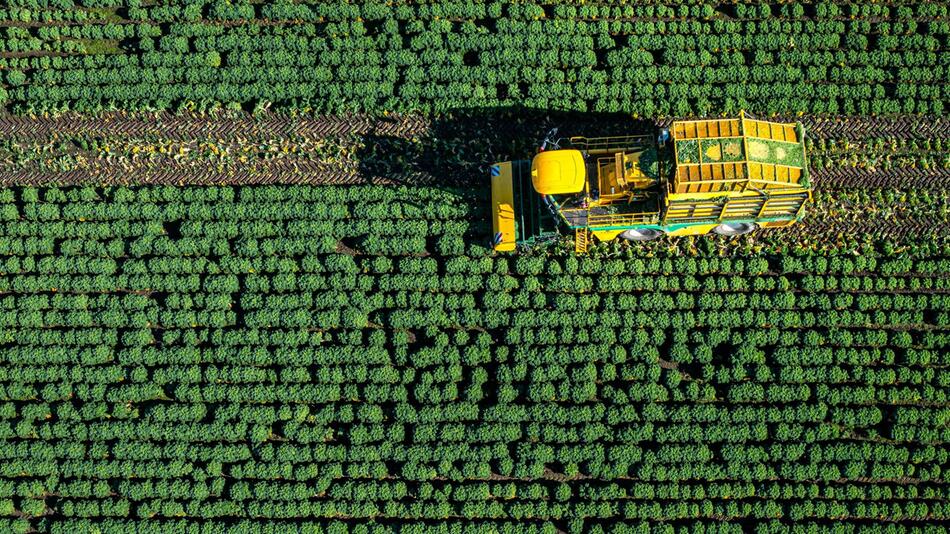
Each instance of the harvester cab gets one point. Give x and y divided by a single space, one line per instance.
726 176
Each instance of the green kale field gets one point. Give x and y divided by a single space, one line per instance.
210 357
246 282
677 57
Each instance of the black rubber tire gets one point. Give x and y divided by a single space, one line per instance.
642 234
731 229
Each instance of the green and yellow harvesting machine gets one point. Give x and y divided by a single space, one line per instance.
726 176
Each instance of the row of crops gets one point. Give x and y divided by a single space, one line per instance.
879 153
322 359
648 59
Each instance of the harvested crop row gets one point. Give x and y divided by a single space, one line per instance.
864 127
235 124
294 173
903 230
853 178
221 125
279 148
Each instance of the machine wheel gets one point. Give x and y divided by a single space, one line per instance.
641 234
734 228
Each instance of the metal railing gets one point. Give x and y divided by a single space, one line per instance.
623 219
583 217
616 143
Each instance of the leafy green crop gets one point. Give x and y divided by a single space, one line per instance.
647 59
352 360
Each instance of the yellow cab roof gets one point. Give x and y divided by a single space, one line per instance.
557 172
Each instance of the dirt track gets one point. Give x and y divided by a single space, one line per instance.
898 228
228 124
230 148
390 149
898 178
225 125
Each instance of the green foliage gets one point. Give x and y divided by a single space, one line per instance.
695 57
264 371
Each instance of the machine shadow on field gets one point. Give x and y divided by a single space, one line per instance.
456 150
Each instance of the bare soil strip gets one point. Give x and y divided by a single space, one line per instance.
855 128
903 177
232 124
822 231
224 125
360 149
286 173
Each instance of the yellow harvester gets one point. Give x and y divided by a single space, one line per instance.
727 176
